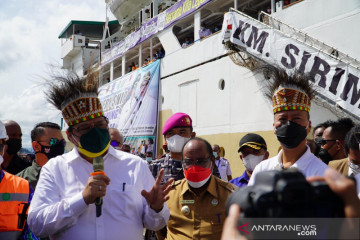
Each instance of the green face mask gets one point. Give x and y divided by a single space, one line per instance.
95 142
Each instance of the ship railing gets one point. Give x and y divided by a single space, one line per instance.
301 36
110 41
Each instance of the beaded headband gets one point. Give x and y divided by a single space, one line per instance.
288 99
81 110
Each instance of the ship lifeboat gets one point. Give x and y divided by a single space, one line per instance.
123 10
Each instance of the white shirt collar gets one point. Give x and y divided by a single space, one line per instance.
350 171
301 163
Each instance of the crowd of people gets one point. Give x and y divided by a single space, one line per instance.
99 190
203 33
160 53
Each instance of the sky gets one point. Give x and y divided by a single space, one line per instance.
28 46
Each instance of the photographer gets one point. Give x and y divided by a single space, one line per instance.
340 185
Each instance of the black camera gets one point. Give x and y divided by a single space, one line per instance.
287 194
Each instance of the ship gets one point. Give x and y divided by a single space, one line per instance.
211 77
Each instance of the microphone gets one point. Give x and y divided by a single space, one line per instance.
98 166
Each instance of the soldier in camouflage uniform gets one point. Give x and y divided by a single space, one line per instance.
177 130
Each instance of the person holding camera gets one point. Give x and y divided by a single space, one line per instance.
344 187
291 96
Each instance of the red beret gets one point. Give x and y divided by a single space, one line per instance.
177 120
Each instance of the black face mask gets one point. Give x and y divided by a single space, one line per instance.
325 156
14 145
54 150
291 134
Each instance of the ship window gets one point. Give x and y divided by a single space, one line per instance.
132 56
184 31
221 84
211 21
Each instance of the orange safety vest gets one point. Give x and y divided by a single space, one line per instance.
14 196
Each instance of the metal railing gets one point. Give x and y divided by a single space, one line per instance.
303 37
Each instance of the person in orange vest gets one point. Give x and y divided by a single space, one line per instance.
15 198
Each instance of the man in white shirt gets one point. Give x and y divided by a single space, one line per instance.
222 164
62 206
291 97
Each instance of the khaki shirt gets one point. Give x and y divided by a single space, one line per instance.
341 165
206 212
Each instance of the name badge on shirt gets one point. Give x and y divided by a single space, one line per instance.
187 201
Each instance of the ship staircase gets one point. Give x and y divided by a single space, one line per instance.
241 57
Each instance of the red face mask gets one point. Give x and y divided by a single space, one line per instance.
197 176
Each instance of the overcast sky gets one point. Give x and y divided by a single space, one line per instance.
28 45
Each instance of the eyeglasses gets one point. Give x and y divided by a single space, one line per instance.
322 142
85 128
202 162
53 141
181 131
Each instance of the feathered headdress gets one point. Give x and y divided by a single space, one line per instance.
76 98
287 92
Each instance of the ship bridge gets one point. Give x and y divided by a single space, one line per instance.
81 43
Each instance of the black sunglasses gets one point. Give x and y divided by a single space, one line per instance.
322 142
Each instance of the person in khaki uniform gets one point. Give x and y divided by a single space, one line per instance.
341 166
197 203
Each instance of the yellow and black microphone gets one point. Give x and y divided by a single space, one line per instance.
98 165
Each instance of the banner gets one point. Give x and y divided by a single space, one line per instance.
334 79
119 49
178 11
131 105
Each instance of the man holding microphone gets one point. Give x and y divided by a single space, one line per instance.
62 206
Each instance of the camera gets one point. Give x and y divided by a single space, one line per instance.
287 194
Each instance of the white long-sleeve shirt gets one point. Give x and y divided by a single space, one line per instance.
308 164
58 209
